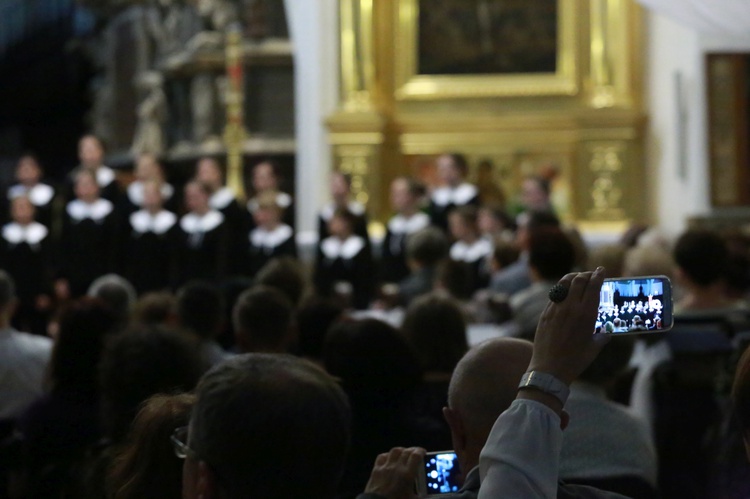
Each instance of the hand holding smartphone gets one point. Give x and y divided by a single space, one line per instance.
438 474
635 305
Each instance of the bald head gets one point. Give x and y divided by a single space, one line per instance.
485 382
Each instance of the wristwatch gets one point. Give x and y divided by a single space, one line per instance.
545 383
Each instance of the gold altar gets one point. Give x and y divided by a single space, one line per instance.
584 118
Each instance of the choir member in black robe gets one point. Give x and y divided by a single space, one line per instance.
266 179
344 263
201 248
470 247
149 242
210 173
455 191
91 157
25 254
341 190
406 196
29 184
88 242
148 169
271 238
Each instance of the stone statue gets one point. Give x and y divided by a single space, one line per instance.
152 114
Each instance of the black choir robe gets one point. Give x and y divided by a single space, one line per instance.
394 266
148 247
201 247
283 200
25 255
88 243
236 218
348 261
446 199
41 196
360 225
263 246
133 199
474 256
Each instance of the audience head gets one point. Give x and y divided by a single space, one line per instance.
455 278
609 256
462 223
22 210
535 192
406 194
273 426
84 326
156 309
28 170
197 196
701 256
376 365
285 274
209 172
427 247
610 364
436 328
452 168
530 221
91 151
115 291
482 387
86 187
200 309
7 295
647 260
503 255
314 318
262 318
493 219
141 362
265 177
146 466
551 254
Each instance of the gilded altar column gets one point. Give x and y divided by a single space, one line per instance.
234 130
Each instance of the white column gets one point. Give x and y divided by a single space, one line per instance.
313 26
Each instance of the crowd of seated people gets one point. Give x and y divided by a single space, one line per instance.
146 324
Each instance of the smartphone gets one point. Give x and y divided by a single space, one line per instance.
439 474
635 305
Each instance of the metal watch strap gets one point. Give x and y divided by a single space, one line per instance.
545 383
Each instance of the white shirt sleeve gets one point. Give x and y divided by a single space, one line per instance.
522 454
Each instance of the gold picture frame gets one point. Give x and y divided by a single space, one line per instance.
410 85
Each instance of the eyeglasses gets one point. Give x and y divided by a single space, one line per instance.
179 442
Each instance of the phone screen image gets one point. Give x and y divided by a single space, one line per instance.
441 472
635 305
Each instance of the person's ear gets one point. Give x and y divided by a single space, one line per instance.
456 424
206 488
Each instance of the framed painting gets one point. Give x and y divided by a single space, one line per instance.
486 48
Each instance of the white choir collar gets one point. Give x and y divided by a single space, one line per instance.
192 222
135 192
32 234
263 238
221 198
105 176
142 221
462 252
283 201
39 195
402 225
333 247
96 211
459 195
354 207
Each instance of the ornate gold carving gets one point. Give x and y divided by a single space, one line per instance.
356 161
234 131
357 54
606 190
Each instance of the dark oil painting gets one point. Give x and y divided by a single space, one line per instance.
461 37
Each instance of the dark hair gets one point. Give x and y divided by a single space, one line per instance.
427 246
611 362
102 143
155 308
459 162
436 328
200 308
468 214
274 426
84 326
7 289
542 182
286 275
262 318
541 218
372 359
505 253
314 318
146 465
414 186
551 253
141 362
456 277
702 255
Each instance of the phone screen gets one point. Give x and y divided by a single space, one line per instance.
441 472
635 305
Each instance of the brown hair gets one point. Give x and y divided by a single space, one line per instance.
146 465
